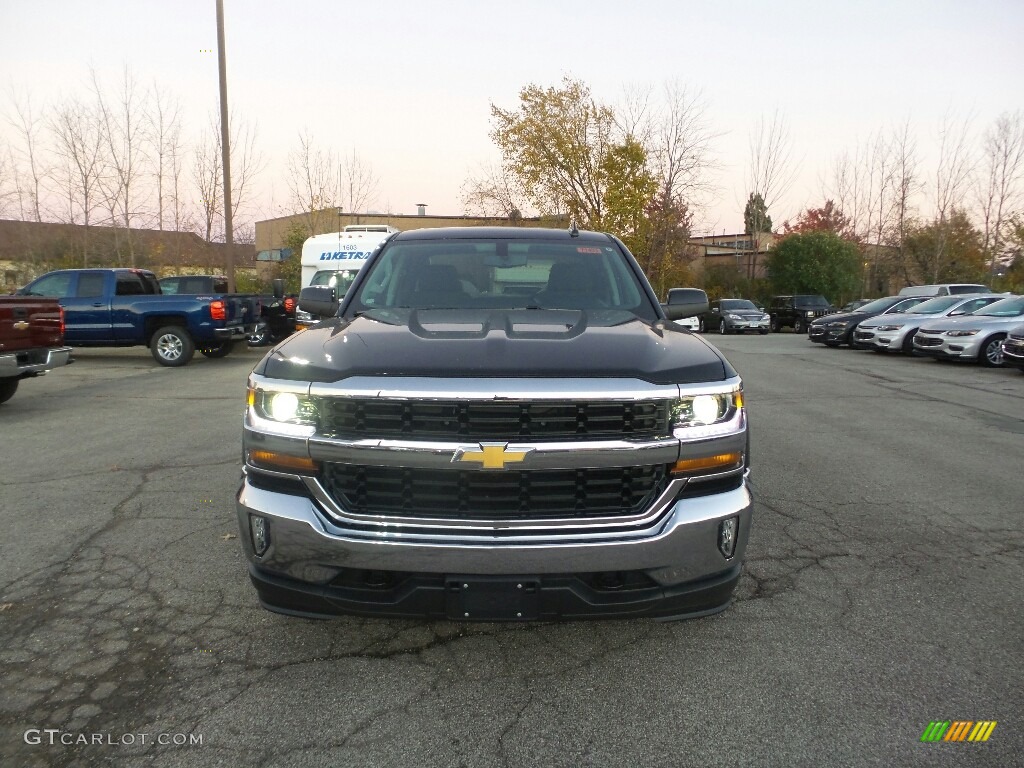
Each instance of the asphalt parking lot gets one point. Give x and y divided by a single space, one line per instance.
882 592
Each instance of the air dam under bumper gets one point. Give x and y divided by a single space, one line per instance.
673 571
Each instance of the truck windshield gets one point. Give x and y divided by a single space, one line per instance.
503 274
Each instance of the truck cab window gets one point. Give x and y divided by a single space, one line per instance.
57 285
90 284
130 285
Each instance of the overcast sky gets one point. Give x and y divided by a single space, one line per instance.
408 85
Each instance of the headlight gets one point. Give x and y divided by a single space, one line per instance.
766 317
282 411
702 415
962 333
731 316
839 326
810 313
888 327
283 407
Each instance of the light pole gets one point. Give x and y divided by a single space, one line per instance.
225 146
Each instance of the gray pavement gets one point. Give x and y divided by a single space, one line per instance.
882 591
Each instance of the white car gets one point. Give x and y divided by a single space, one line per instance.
895 333
689 323
978 337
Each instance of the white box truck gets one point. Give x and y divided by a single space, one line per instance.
335 258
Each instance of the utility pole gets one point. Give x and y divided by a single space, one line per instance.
225 146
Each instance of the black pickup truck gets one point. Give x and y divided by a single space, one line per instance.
496 424
275 312
125 307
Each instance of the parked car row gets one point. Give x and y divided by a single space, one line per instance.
974 327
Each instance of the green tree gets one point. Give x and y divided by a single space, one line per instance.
290 269
949 250
558 146
815 262
1013 279
629 185
755 215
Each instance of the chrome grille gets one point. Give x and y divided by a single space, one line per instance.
495 495
355 418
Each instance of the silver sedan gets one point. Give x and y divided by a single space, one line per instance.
978 337
888 333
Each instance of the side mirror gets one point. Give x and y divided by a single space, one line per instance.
685 302
319 301
278 286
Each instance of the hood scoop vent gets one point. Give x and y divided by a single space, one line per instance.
517 324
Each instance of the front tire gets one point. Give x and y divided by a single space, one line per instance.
723 328
991 355
700 325
172 346
908 343
773 325
7 389
798 325
222 351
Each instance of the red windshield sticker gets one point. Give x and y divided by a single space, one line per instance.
585 249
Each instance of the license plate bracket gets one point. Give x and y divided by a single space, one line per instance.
483 598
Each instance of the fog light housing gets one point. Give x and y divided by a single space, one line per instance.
727 531
259 531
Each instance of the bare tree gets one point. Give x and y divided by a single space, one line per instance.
164 133
28 125
906 185
207 175
79 144
9 191
313 178
680 147
772 168
122 120
359 184
771 173
1001 186
951 183
492 192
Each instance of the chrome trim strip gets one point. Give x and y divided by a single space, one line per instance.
422 388
438 455
460 527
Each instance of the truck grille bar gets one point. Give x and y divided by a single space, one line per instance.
505 495
487 420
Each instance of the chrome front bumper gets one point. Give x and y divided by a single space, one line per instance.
680 546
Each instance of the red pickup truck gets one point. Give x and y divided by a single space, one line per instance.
31 340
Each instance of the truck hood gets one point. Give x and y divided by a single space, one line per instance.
501 344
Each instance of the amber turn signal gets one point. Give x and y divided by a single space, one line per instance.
723 462
282 462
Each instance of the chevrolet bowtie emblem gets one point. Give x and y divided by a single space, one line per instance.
494 456
21 325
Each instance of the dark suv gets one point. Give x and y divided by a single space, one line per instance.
797 311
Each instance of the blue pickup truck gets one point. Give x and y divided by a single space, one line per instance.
125 307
